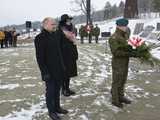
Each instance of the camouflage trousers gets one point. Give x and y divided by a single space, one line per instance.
119 78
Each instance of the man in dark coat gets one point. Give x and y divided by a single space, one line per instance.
120 59
69 52
50 61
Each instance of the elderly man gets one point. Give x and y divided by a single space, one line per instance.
50 61
120 59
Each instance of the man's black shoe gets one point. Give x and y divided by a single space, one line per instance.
125 100
54 116
61 111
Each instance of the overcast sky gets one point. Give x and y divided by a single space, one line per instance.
18 11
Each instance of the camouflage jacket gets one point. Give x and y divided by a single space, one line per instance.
96 31
82 32
119 45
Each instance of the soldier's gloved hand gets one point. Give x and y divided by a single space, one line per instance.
46 77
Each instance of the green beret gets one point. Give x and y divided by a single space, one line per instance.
122 22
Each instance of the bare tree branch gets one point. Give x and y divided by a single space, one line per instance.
81 6
84 4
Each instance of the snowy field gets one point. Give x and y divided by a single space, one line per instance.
22 91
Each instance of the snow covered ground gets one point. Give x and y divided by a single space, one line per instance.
22 91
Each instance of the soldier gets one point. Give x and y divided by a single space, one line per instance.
90 32
10 38
120 59
96 32
15 35
81 33
6 38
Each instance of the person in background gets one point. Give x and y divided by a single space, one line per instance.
15 35
10 38
96 32
2 38
6 38
82 33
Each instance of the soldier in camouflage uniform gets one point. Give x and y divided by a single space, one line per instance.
120 59
90 33
96 32
82 33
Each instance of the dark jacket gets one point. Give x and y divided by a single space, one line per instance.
48 54
82 32
119 45
69 52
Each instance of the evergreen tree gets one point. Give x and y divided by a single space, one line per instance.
114 11
107 10
121 8
145 6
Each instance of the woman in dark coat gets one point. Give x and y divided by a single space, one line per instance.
69 52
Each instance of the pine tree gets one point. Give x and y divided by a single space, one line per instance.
114 11
107 11
145 6
121 6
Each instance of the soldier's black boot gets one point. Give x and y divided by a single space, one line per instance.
125 100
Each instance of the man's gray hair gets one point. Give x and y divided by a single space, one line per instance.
45 21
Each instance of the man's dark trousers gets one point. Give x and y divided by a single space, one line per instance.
52 95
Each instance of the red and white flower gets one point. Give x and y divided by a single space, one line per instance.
135 42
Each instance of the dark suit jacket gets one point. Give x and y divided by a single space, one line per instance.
48 54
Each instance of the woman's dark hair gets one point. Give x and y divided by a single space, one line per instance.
62 24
